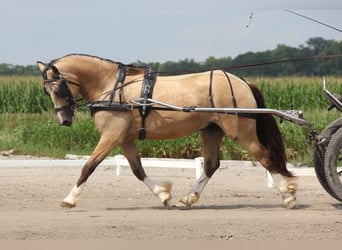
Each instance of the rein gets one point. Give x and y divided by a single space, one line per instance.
241 66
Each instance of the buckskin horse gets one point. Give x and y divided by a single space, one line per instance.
109 87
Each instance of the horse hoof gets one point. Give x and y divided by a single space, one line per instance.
167 204
290 202
188 200
67 205
182 205
165 197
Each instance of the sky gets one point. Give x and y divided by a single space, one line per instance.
157 30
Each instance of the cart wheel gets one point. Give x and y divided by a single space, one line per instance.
318 161
333 165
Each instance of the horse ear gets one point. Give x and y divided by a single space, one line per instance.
41 66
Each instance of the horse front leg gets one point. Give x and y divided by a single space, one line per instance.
162 190
102 149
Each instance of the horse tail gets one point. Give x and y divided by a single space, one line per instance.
270 137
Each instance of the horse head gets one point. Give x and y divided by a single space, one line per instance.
57 86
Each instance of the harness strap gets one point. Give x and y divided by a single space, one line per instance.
252 116
106 106
146 92
120 79
211 100
231 89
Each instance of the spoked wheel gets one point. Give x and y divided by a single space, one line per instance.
333 165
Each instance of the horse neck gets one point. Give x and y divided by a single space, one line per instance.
94 75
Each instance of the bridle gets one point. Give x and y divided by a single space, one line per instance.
63 90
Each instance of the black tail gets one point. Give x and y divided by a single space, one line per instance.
269 135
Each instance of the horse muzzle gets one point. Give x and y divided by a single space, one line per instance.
65 120
65 116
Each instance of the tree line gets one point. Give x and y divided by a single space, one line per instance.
316 46
305 66
18 70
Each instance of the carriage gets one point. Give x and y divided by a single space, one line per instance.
327 154
130 103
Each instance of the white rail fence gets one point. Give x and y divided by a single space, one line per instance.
120 162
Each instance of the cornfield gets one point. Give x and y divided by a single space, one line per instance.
23 95
26 95
296 92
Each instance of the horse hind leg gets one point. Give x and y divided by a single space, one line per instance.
287 186
212 138
272 157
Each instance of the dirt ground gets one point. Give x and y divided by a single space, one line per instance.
237 204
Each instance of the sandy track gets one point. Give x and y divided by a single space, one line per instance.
237 204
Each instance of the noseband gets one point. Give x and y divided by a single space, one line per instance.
63 90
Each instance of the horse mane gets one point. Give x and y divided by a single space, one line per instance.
130 70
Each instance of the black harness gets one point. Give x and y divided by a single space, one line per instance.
111 105
144 106
146 92
120 79
247 115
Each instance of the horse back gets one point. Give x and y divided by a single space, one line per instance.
205 89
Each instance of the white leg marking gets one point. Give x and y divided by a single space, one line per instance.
200 183
73 195
287 187
269 179
162 190
195 192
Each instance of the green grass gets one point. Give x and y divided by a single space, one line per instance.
40 134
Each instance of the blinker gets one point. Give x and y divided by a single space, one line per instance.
63 90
